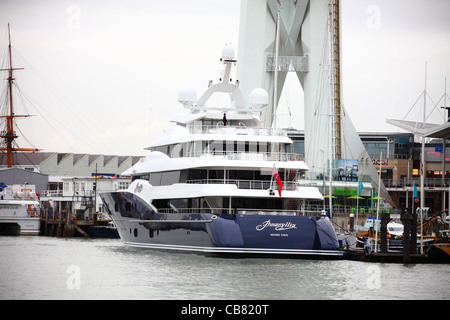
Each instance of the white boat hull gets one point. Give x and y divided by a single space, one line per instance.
19 226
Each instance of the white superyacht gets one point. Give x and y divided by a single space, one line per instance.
219 183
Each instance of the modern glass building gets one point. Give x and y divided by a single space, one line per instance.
400 165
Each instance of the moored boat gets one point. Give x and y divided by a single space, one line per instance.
219 182
19 210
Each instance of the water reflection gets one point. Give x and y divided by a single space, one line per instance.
36 268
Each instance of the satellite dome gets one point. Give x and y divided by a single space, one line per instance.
187 95
227 53
259 98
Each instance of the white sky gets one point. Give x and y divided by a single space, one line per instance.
104 75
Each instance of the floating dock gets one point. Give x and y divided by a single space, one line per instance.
359 254
409 248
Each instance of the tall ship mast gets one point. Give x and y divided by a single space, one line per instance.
9 134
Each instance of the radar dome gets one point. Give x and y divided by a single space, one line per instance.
227 53
187 95
259 98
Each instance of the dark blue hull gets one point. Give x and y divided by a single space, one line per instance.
209 233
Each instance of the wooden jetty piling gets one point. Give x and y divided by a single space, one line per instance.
62 224
406 220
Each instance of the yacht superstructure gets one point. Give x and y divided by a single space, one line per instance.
219 182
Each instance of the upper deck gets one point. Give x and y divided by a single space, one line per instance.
230 135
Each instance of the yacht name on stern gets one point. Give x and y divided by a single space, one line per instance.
279 226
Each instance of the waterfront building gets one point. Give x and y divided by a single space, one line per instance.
70 164
80 195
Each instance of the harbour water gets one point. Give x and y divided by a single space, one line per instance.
41 268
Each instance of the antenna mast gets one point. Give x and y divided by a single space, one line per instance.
10 135
336 75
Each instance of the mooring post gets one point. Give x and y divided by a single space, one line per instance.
383 231
406 220
413 248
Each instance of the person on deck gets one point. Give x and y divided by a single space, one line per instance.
225 119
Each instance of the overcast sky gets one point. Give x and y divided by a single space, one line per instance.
102 76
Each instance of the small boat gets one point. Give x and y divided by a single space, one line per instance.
436 247
19 210
440 250
394 229
104 231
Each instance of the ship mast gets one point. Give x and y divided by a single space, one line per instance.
10 135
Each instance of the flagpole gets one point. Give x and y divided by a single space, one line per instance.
357 201
271 178
378 205
422 165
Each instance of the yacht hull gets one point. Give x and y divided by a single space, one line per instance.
220 234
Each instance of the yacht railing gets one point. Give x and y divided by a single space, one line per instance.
247 184
342 209
249 156
278 212
240 129
244 211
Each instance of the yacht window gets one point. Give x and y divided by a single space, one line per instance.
155 179
241 175
160 203
178 203
170 177
216 147
178 150
262 147
263 174
239 146
193 202
175 204
196 174
208 122
142 177
163 149
229 146
215 174
275 147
